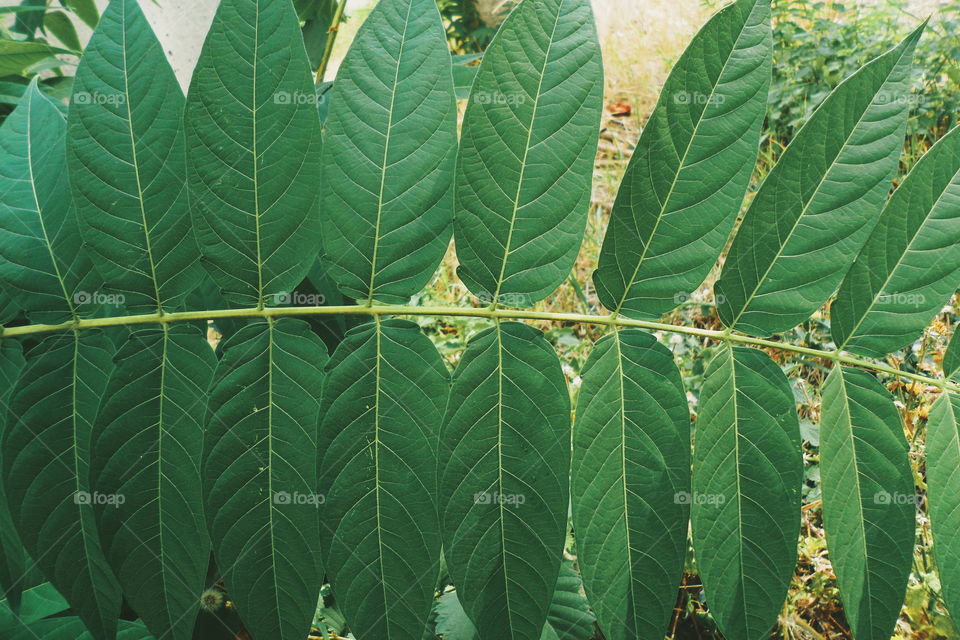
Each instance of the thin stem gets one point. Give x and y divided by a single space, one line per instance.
725 335
331 38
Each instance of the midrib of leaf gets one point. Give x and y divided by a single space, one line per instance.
676 178
376 467
256 200
523 164
623 471
74 379
500 501
36 200
136 163
274 550
160 434
383 184
893 271
856 470
806 206
736 454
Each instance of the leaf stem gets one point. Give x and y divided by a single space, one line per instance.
331 38
724 336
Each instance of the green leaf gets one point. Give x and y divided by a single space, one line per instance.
631 452
46 464
686 180
37 603
86 10
818 205
868 500
389 148
569 615
260 475
59 24
951 359
504 465
529 139
745 503
42 261
147 448
73 628
16 56
943 494
12 553
909 266
385 391
128 163
253 151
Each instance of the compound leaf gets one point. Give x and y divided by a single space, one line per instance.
253 151
42 261
868 500
686 180
747 474
389 149
504 463
385 392
631 452
146 449
46 465
909 266
818 205
127 163
260 474
525 166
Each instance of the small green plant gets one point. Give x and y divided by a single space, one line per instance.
411 501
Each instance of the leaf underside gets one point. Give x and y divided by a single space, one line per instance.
385 392
868 500
747 474
504 461
631 452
